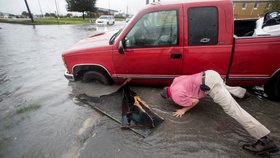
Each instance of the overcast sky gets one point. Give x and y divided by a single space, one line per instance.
18 6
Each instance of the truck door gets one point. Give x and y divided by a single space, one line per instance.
208 43
152 47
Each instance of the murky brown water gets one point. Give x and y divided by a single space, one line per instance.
40 116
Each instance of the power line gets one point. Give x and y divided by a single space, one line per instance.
40 7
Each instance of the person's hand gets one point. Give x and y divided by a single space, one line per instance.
179 113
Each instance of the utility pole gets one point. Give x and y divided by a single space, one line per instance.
56 9
30 14
57 14
109 7
126 8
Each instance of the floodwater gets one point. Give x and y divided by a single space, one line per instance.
40 115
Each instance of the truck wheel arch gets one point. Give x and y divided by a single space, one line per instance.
81 69
272 87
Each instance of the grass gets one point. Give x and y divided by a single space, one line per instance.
11 124
3 141
48 21
27 108
30 155
63 21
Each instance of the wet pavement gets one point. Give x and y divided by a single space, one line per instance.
40 115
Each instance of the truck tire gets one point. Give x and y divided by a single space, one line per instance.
96 76
272 88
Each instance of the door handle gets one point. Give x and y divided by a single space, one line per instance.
176 56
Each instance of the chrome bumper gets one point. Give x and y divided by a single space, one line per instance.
68 76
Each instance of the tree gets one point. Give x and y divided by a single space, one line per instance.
69 15
47 15
25 13
81 6
53 15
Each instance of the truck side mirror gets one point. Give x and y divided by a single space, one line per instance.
121 47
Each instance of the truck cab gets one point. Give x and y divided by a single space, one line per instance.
166 40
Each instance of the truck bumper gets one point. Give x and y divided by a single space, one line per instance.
68 76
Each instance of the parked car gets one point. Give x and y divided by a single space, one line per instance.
169 39
105 20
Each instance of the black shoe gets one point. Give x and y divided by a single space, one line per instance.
261 148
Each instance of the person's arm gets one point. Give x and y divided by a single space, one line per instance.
181 112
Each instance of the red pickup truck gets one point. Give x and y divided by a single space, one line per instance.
166 40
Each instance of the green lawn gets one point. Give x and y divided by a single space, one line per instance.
44 21
63 21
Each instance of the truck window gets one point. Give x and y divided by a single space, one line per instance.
153 30
203 26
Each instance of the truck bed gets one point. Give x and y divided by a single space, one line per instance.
244 27
253 56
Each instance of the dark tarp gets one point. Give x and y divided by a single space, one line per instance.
120 107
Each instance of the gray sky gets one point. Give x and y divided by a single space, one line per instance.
17 6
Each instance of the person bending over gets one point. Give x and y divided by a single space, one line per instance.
187 90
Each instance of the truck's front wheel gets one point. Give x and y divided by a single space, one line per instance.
96 76
272 88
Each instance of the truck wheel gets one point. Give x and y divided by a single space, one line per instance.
272 88
96 76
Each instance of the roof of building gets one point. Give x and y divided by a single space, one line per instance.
106 10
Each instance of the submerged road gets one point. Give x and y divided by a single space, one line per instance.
40 115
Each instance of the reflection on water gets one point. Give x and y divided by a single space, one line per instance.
39 116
